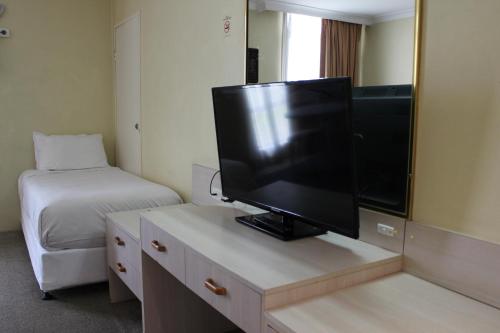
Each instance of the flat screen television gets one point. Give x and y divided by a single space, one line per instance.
288 148
382 123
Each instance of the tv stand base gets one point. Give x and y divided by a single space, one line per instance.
281 227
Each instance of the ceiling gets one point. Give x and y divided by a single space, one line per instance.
359 11
358 7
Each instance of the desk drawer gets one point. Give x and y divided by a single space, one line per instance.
229 296
122 246
128 274
164 249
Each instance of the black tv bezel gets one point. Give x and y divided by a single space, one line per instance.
354 233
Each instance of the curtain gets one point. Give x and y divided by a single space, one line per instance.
339 49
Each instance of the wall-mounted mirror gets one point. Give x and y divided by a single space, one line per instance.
370 41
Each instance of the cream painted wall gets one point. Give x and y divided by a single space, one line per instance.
388 53
185 53
458 152
265 32
55 77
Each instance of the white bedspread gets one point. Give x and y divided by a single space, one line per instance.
68 208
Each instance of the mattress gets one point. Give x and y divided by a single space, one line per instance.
67 209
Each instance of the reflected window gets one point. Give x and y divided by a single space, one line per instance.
302 47
269 117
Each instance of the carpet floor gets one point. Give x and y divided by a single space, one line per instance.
82 309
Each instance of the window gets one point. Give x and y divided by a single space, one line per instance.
302 47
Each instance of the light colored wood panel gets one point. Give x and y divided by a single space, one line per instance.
240 304
201 185
118 290
269 328
461 263
121 246
201 196
164 302
196 270
170 256
123 249
400 303
368 221
263 262
330 285
130 275
169 307
368 218
129 222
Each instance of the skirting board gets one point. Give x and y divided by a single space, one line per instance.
368 219
463 264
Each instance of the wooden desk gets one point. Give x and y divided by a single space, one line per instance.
400 303
194 253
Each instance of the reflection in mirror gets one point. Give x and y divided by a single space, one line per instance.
368 40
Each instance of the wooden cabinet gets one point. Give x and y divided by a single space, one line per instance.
122 246
129 274
239 272
124 256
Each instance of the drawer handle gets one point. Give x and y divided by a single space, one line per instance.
160 248
119 241
121 268
213 287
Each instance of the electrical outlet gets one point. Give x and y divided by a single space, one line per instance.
386 230
4 33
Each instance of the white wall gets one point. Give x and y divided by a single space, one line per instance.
265 32
55 77
458 151
185 53
388 53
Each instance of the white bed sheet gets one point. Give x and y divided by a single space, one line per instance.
67 209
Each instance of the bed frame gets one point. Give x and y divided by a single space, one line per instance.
63 268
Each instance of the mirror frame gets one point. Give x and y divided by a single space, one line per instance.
417 44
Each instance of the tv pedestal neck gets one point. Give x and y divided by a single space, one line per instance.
279 226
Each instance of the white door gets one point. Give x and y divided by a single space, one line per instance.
128 94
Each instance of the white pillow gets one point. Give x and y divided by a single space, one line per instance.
69 152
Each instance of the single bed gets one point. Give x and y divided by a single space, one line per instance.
63 219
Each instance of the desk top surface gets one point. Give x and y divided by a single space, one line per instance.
263 262
128 221
398 303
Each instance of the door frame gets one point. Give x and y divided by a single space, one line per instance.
138 14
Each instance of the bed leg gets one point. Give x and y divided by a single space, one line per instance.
46 296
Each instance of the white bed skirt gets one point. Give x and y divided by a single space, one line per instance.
63 268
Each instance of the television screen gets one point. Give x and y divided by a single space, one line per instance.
288 148
382 123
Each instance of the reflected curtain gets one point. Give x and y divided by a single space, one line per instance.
339 49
